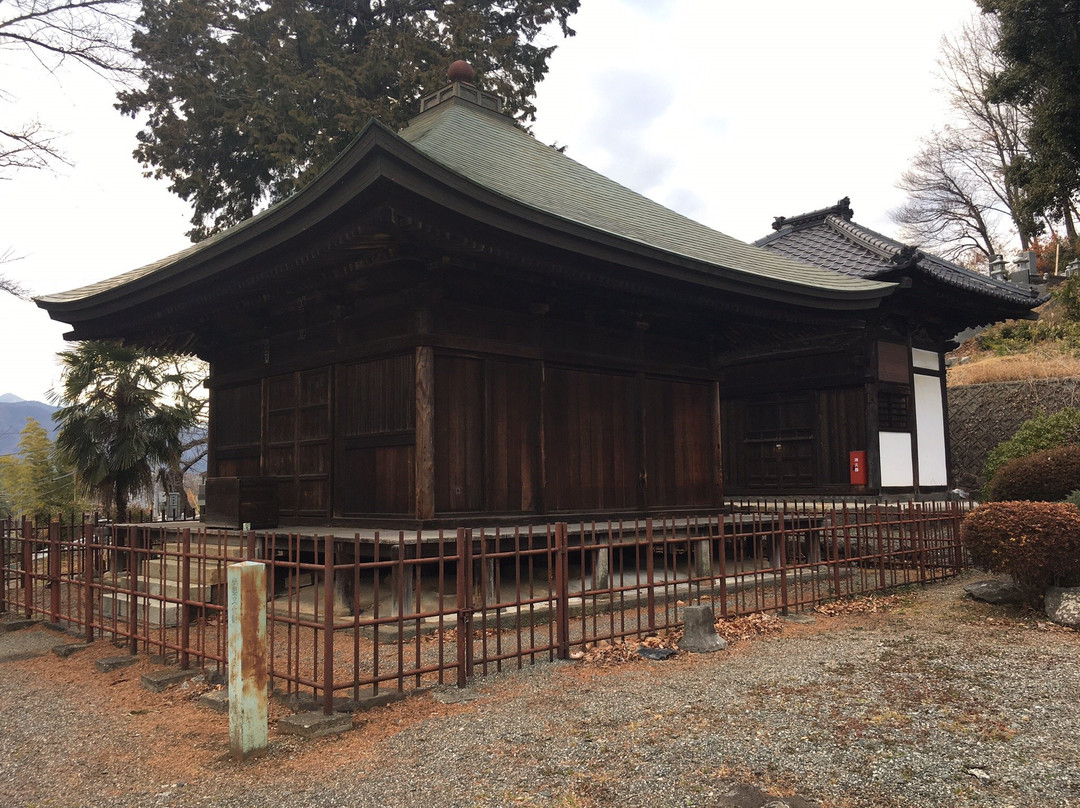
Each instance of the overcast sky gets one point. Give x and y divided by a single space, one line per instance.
729 112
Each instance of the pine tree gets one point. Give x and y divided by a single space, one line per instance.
246 100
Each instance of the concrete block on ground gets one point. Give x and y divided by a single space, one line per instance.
798 617
159 680
699 631
308 702
66 649
315 725
216 700
390 635
112 663
157 612
17 624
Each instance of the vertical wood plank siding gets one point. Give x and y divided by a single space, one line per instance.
377 416
236 419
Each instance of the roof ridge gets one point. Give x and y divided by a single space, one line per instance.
884 246
842 208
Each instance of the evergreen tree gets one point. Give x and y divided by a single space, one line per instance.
247 99
34 482
1039 47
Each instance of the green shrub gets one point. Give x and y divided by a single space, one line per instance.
1046 476
1068 297
1022 336
1037 543
1041 432
1074 498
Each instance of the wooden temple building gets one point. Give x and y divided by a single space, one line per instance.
456 323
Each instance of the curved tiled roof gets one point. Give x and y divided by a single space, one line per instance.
829 239
492 155
491 151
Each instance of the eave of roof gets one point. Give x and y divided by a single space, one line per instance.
494 170
830 239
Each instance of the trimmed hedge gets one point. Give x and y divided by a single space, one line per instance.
1035 434
1047 476
1037 543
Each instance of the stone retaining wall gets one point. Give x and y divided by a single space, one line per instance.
983 415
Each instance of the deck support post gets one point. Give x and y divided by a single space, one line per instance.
702 558
601 574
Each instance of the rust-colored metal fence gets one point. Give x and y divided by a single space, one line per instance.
350 614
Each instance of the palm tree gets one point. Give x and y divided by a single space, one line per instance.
122 411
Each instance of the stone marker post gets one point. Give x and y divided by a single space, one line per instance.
248 716
699 631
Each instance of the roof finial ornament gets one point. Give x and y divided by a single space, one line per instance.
461 71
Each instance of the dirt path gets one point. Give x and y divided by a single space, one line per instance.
936 701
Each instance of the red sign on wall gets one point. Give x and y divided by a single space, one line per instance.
857 465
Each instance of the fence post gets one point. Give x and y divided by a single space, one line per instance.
88 576
54 571
783 558
920 538
185 596
5 529
650 573
28 564
135 537
834 551
881 544
464 609
723 560
562 594
958 549
328 625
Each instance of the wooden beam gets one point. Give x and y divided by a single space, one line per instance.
425 432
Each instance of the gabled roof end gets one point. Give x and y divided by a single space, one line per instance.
841 209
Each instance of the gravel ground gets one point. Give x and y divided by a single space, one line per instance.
941 701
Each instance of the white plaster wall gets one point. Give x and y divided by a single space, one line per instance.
930 423
895 453
928 360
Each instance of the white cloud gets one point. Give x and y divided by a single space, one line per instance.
731 113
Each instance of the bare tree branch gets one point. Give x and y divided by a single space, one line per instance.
948 205
8 285
960 193
31 146
95 33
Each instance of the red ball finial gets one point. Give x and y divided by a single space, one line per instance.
460 71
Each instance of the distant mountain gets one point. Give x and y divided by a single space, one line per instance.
13 414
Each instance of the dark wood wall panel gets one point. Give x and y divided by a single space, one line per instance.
377 480
236 416
592 440
733 427
678 443
376 413
512 447
297 440
792 441
378 397
842 429
770 441
459 439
